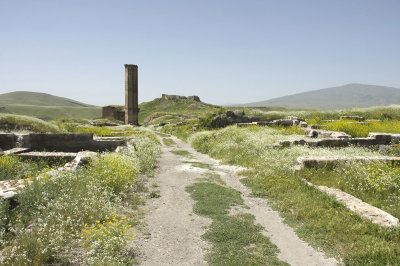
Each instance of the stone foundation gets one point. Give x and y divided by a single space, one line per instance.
56 142
373 139
360 207
331 161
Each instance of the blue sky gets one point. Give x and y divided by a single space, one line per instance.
223 51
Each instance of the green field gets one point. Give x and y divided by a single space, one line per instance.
54 112
46 106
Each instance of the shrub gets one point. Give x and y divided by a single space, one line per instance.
147 149
107 240
117 172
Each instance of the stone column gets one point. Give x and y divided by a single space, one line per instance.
131 95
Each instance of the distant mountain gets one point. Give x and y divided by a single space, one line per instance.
36 98
348 96
46 106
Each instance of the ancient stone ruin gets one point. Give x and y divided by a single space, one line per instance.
76 148
169 97
356 205
340 139
286 122
115 112
129 113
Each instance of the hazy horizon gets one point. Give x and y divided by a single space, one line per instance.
223 51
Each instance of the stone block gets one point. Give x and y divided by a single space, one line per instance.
239 113
72 142
7 141
352 117
50 157
333 143
384 138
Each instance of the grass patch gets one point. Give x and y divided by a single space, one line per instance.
162 134
235 239
168 142
180 131
199 165
13 167
363 129
154 194
46 106
212 177
23 122
135 201
101 131
54 112
181 153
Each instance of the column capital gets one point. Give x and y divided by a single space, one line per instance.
130 66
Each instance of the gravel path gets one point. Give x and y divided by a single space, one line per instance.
176 232
172 235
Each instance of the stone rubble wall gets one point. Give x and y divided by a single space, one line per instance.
356 205
319 133
286 122
179 97
354 117
331 161
340 140
7 141
360 207
68 142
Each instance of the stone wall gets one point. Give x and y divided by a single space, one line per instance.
68 142
114 112
7 141
373 139
178 97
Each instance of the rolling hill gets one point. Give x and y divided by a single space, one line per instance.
46 106
348 96
172 108
37 98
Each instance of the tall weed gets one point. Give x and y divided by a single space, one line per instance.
363 129
12 167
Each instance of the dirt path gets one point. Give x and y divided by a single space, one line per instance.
175 232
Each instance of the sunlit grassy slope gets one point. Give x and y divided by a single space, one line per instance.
36 98
54 112
182 107
33 123
46 106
